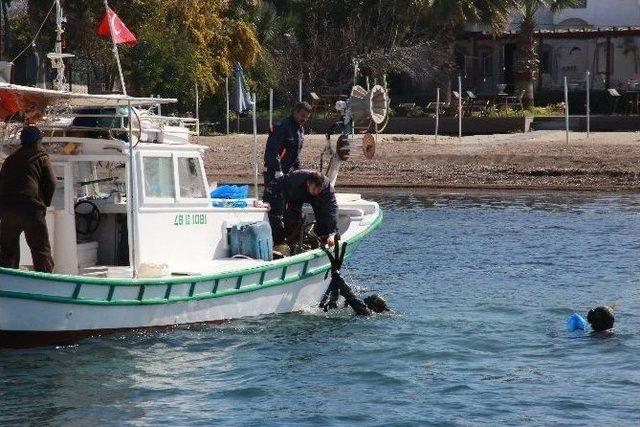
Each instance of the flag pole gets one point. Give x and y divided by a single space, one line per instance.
115 49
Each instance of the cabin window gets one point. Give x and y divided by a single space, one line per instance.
190 178
158 177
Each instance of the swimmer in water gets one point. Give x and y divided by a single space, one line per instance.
601 318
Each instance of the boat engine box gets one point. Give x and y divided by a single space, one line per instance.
252 239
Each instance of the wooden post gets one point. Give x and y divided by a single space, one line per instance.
437 113
227 89
608 65
459 108
588 87
255 149
566 108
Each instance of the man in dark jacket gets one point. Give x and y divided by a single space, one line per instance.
282 154
27 183
287 194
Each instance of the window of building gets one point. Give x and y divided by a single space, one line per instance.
158 177
486 63
190 178
601 58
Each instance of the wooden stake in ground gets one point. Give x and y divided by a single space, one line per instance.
566 108
459 108
437 113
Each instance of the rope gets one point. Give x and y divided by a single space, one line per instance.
37 33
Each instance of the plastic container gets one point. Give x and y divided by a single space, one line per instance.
87 254
251 239
576 322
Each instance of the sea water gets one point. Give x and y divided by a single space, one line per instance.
482 284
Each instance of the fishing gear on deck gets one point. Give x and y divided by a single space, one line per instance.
338 286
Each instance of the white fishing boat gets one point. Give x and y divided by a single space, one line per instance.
137 240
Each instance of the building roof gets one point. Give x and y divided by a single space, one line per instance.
558 33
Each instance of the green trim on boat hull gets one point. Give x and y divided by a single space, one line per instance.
318 253
302 259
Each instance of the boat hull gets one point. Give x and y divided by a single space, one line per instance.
43 309
62 323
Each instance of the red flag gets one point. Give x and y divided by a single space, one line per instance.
112 26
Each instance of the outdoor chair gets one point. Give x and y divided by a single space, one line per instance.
453 108
476 105
615 99
515 102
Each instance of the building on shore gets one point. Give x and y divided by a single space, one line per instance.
600 36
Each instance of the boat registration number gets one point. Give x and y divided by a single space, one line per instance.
190 219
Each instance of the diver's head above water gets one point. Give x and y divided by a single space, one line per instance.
601 318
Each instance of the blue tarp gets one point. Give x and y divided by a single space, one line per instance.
230 192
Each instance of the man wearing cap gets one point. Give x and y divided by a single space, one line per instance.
27 183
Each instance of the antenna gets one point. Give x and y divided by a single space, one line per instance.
57 57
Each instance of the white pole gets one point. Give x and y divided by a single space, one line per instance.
588 87
459 108
300 90
255 149
437 112
132 199
197 111
115 50
368 85
227 89
270 109
566 108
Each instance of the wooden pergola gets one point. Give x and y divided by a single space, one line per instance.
558 33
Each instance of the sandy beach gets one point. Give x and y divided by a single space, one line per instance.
536 160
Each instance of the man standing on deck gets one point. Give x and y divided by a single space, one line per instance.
27 183
282 154
287 194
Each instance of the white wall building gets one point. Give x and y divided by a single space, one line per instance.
570 42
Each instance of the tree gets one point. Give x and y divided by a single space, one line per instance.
447 17
180 42
527 64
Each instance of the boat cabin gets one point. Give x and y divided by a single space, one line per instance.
170 225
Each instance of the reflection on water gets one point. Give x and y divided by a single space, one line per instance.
483 283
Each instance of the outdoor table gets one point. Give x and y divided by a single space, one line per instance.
633 97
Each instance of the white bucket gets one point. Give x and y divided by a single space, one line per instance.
149 270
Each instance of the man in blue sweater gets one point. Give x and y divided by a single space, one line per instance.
282 153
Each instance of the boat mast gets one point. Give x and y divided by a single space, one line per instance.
57 57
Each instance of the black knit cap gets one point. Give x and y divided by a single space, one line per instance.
30 135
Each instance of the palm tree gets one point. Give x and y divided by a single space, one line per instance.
447 17
527 64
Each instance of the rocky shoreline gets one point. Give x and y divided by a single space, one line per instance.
535 161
